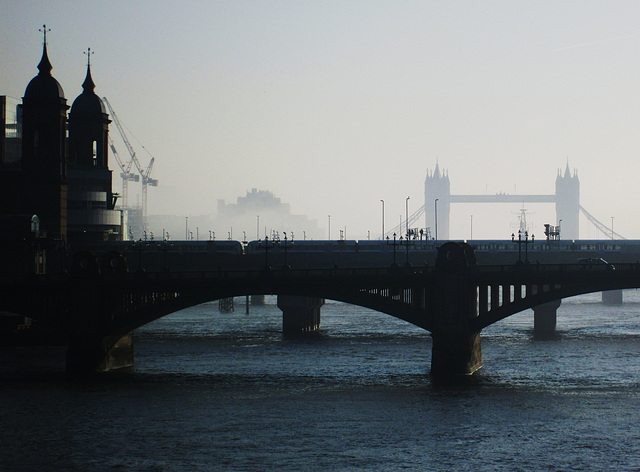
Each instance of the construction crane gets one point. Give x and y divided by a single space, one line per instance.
144 173
146 182
127 176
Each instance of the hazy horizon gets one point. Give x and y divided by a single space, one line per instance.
333 106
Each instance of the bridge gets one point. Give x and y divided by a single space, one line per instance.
98 305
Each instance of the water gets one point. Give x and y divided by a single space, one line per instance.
213 391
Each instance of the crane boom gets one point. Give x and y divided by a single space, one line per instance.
144 173
123 135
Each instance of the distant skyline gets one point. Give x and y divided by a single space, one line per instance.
336 105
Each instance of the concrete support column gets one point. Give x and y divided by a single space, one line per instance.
544 318
612 297
455 353
90 354
456 348
300 315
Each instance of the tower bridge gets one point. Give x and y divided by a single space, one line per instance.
438 200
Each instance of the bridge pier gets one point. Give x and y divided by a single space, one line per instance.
544 318
612 297
456 348
300 315
90 354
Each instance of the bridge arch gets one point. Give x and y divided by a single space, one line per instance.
454 300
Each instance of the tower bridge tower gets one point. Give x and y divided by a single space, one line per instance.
437 193
568 203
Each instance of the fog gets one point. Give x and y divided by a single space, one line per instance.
333 106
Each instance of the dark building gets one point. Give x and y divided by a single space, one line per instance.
54 168
40 184
90 204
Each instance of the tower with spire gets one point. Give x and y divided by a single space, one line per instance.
43 165
437 187
61 182
91 202
568 203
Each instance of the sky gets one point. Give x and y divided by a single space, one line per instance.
336 105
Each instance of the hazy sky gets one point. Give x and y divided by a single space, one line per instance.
334 105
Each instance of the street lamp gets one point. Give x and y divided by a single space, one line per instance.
406 213
526 245
559 227
435 204
382 237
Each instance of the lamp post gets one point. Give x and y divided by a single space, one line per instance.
258 227
406 215
471 236
286 266
513 240
612 227
394 249
382 237
435 204
329 216
559 227
526 245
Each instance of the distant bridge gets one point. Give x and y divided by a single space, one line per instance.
454 300
438 200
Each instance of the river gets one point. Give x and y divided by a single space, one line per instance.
225 391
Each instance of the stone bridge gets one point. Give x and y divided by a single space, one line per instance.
454 300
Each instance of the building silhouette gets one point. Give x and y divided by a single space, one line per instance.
54 166
260 213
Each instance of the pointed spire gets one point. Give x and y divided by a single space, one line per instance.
567 171
88 86
45 65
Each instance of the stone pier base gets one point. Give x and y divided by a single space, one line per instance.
257 299
612 297
300 315
544 318
455 354
87 355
